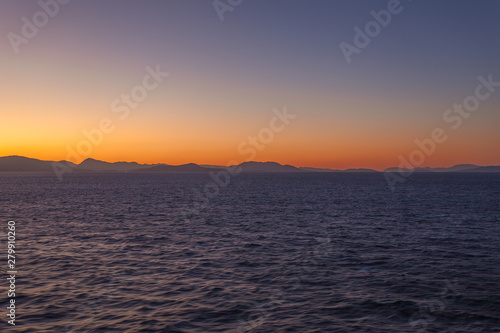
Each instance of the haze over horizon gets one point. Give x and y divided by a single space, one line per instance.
226 78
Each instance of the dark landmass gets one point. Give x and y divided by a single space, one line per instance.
25 164
253 167
189 168
91 164
456 168
360 170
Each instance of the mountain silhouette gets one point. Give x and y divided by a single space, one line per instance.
456 168
90 165
267 167
360 170
25 164
189 168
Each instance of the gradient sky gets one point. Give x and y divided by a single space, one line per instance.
226 78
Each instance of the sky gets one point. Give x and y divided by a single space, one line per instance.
225 78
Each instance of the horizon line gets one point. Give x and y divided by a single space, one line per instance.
268 161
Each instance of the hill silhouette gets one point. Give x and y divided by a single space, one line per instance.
189 168
267 167
90 165
25 164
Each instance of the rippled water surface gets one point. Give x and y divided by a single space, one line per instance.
268 253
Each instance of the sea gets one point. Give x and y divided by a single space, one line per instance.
299 252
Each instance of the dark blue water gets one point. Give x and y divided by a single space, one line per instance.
269 253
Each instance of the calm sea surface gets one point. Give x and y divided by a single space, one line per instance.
268 253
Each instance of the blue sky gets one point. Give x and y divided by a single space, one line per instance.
229 75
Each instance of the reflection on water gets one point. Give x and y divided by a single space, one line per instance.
270 253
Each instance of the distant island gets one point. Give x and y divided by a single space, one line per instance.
25 164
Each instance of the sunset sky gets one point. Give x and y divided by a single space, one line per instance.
226 77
